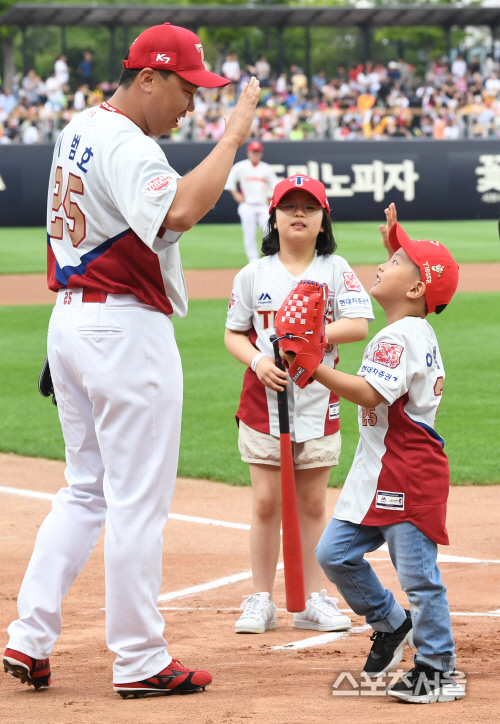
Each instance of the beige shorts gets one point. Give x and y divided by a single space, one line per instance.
262 449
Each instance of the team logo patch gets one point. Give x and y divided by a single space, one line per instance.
165 58
298 180
388 354
390 501
158 183
351 282
439 269
232 302
199 48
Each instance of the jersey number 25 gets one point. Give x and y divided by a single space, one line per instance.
67 211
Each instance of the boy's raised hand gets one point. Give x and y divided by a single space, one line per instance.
391 218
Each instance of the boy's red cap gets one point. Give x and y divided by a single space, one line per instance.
255 146
301 183
438 268
170 47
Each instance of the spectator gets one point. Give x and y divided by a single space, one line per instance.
451 131
31 86
7 103
491 87
298 80
263 71
80 98
489 66
474 65
31 134
459 67
318 81
56 99
85 68
231 68
61 70
281 87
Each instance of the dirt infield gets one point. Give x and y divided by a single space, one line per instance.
252 680
217 283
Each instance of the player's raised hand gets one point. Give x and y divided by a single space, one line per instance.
391 218
238 124
270 375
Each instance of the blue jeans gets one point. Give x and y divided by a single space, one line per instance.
340 553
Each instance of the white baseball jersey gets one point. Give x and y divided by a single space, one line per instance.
256 182
259 290
400 471
113 240
118 382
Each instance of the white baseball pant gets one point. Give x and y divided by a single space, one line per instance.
118 383
253 217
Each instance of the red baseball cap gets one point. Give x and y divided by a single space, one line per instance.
170 47
301 183
438 268
255 146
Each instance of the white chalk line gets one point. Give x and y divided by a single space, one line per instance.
320 640
245 575
442 557
217 583
173 516
234 609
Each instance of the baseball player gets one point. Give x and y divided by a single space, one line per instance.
299 244
397 488
251 183
116 211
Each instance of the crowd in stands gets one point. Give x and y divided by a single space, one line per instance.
454 100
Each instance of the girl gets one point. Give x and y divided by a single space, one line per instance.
299 245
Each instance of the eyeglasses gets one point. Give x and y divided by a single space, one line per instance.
307 209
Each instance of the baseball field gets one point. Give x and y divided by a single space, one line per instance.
285 675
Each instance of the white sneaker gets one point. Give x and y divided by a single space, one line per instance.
321 614
259 614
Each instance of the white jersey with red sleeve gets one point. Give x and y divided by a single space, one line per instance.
259 290
109 192
400 471
256 182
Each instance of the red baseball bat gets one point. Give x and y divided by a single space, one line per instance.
292 541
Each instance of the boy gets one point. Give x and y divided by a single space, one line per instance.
397 487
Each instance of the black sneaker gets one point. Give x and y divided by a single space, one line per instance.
387 649
424 685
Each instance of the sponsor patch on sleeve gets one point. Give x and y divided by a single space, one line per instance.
159 183
388 354
390 501
351 281
232 301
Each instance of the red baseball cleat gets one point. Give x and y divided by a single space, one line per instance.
34 672
175 679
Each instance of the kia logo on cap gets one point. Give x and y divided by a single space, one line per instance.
164 58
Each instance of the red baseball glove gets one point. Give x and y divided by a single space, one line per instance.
300 328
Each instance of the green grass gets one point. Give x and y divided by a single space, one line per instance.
220 246
468 417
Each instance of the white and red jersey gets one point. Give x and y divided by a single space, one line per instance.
259 290
256 182
109 192
400 471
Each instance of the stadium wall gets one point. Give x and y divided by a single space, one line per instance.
426 179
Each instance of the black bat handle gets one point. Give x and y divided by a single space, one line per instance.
284 420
